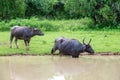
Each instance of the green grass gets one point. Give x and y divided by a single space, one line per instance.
102 41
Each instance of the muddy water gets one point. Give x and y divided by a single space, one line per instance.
60 68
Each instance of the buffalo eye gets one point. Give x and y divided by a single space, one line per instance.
36 31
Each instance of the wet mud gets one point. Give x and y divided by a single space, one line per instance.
46 54
94 67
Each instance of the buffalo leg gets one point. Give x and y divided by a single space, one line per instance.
11 39
53 50
60 53
16 42
28 41
26 44
75 54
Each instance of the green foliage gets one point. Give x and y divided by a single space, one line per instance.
49 25
104 13
11 9
4 26
47 8
37 7
108 15
80 8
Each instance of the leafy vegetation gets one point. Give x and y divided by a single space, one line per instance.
10 9
102 41
49 25
104 13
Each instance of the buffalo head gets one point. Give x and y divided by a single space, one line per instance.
36 31
87 47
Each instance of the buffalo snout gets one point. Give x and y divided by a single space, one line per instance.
36 31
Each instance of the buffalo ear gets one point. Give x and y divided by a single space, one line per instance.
83 47
35 29
61 40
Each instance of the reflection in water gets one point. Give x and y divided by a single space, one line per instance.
60 68
95 68
57 78
72 66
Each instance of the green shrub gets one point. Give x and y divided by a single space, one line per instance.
10 9
4 26
53 25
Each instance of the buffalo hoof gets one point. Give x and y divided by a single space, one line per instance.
60 54
27 49
91 53
75 56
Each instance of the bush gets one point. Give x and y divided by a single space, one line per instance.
49 25
10 9
104 13
4 26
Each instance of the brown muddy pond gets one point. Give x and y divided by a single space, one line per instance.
60 68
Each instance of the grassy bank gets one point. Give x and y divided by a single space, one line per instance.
102 41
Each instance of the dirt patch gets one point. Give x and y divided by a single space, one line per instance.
109 53
105 53
4 43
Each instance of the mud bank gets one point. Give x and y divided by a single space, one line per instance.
46 54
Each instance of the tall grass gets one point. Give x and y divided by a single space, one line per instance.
49 25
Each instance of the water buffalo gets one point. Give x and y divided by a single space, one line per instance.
71 47
23 33
57 43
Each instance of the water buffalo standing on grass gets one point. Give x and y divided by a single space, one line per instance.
23 33
71 47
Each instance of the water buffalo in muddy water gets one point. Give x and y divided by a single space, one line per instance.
71 47
23 33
